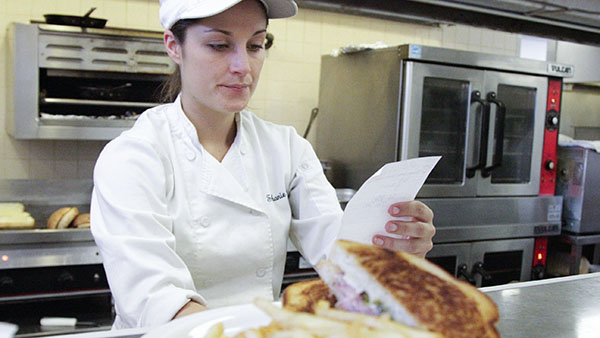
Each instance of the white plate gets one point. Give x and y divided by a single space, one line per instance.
234 318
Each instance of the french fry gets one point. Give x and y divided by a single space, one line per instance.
326 322
300 320
215 331
384 322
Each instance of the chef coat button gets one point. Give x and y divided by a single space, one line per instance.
243 149
253 212
261 272
190 155
305 166
205 221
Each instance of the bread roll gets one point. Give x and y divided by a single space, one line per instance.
82 221
62 218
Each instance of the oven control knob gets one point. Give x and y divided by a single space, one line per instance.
552 120
550 165
538 272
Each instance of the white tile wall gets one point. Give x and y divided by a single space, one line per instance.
289 84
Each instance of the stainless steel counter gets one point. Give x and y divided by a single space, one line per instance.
557 307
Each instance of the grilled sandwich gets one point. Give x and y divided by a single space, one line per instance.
413 291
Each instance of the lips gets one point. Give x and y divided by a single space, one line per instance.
236 86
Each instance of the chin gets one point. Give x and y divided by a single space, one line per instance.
234 108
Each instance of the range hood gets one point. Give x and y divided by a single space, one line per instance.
584 58
569 20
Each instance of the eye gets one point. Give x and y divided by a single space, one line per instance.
218 46
255 47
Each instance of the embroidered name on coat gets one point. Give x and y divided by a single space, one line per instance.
273 198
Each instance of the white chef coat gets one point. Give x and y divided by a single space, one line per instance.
172 223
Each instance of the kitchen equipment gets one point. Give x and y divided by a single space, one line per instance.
493 119
70 83
486 115
51 273
579 184
79 21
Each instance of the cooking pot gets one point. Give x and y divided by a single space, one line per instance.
73 20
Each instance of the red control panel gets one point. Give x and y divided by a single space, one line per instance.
549 153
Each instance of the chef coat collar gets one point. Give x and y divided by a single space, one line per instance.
190 130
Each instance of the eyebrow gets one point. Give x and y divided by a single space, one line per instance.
229 33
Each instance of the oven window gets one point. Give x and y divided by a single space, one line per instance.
518 134
447 263
443 127
503 267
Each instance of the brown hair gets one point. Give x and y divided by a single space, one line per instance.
172 85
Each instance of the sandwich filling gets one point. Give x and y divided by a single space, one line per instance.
350 300
357 291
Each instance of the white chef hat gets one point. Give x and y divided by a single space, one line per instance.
172 11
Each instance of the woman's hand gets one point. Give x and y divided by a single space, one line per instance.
417 232
189 308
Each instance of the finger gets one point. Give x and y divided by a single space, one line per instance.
416 246
415 209
412 229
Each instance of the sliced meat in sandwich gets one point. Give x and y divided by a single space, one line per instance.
414 291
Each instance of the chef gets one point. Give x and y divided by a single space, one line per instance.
193 206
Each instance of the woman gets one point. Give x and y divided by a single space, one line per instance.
193 206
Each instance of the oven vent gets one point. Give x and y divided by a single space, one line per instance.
62 60
110 50
65 47
103 53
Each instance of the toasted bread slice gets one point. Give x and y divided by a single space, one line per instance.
302 296
417 292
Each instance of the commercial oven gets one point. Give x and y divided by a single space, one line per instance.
51 272
493 119
74 83
486 115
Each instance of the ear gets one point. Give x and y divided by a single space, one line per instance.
172 46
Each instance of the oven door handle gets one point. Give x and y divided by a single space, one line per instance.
483 140
498 134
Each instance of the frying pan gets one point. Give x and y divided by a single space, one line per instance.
73 20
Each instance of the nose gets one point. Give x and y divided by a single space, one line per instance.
240 62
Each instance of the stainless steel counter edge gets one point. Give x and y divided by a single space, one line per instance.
521 285
497 293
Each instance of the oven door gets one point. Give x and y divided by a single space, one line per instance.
453 258
439 116
502 261
516 134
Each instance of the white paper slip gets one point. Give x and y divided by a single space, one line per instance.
367 212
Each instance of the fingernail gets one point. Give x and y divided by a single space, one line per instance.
395 210
392 227
378 241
